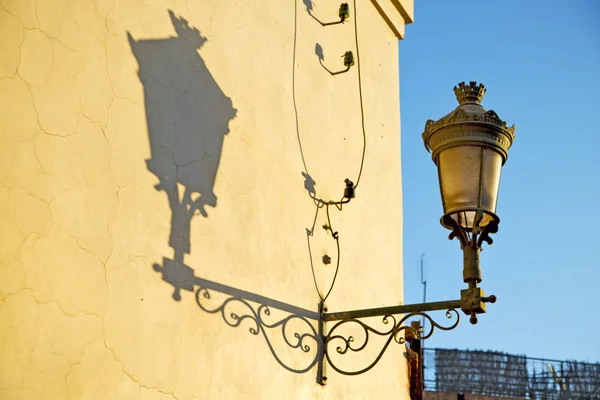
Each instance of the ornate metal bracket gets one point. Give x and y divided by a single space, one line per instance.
397 327
305 330
346 343
472 301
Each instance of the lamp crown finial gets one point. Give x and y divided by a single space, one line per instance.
471 93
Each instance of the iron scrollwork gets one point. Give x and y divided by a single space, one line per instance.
258 316
299 331
395 332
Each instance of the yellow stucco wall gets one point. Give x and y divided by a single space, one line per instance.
123 122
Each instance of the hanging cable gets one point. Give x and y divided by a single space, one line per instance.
309 233
294 86
319 203
362 111
334 234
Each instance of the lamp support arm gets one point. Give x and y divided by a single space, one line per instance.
472 302
392 310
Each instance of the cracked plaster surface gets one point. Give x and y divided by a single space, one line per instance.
82 313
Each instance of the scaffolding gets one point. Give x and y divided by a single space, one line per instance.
507 375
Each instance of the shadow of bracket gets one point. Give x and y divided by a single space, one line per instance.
256 310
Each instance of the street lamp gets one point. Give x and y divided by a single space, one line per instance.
469 146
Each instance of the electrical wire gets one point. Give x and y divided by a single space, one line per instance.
337 242
309 233
362 161
334 234
319 203
360 94
294 86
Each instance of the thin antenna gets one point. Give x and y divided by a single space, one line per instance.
423 279
424 283
422 347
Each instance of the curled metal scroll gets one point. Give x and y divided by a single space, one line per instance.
257 316
395 332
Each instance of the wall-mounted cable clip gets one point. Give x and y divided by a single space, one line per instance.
348 62
349 194
343 13
349 190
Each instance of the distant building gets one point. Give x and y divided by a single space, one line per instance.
488 375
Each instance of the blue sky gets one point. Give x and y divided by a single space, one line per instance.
540 62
